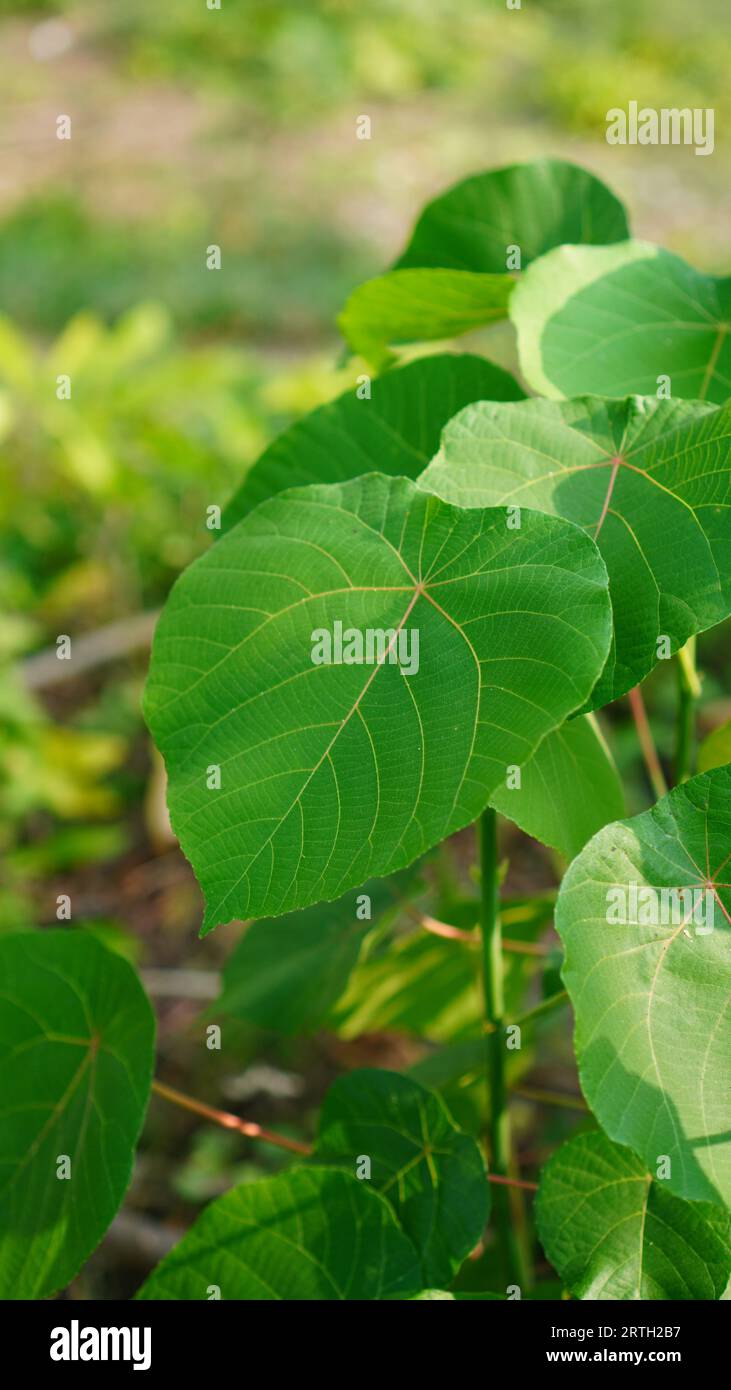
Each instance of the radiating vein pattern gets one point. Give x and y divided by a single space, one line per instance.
652 992
614 1233
76 1053
331 773
432 1174
649 480
310 1234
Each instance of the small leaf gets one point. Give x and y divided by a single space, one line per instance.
614 320
453 275
309 1234
395 431
76 1057
532 206
568 790
412 306
649 480
291 781
613 1233
431 1173
650 983
287 975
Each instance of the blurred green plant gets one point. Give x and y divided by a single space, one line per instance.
105 492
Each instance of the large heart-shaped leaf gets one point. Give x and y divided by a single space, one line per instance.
287 976
533 206
649 975
76 1055
614 1233
309 1234
410 306
291 779
432 1174
614 320
395 430
649 480
568 790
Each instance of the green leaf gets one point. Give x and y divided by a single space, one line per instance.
568 790
432 1174
413 306
612 320
309 1234
612 1232
715 750
649 480
333 773
533 206
396 431
453 277
76 1056
287 975
653 1029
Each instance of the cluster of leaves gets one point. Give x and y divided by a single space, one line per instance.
535 543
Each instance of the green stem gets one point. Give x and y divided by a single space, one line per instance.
546 1006
507 1203
559 1098
689 690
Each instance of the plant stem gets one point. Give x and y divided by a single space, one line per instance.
559 1098
647 743
546 1006
689 689
513 1182
228 1121
508 1215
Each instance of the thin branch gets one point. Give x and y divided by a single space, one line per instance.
647 743
444 929
546 1006
228 1121
450 933
541 1097
512 1182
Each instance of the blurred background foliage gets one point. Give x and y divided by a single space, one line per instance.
237 127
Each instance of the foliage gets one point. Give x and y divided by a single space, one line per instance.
76 1049
639 475
297 788
309 807
652 1025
